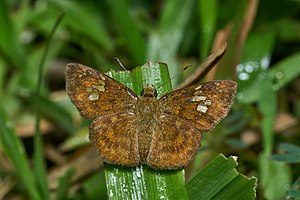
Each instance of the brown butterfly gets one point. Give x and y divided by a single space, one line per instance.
130 130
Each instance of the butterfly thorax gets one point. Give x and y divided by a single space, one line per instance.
147 112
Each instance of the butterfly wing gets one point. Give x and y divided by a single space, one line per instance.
202 105
173 145
95 94
183 115
115 138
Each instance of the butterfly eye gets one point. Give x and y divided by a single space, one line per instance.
155 93
149 92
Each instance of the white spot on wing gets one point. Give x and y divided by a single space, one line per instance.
93 96
198 87
208 102
198 98
102 77
202 108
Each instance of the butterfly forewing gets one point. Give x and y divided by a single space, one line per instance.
95 94
202 105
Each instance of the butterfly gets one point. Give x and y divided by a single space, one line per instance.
129 130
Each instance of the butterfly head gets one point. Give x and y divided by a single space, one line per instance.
149 91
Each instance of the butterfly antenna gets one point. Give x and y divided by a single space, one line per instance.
119 62
185 68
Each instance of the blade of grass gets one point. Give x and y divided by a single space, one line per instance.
274 176
268 108
288 158
207 11
281 73
142 182
54 112
290 148
133 38
294 190
240 188
40 168
164 42
286 71
9 46
254 65
13 147
83 23
95 187
64 184
220 180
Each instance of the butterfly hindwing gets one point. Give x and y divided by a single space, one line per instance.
115 138
173 144
95 94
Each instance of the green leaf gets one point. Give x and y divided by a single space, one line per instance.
142 182
9 46
39 162
286 71
290 148
294 191
267 107
292 153
255 64
288 158
164 42
208 16
64 184
133 37
94 187
14 149
54 112
274 177
281 74
220 180
83 22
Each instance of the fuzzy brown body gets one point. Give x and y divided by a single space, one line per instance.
147 113
129 130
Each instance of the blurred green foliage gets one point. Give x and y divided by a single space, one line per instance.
263 57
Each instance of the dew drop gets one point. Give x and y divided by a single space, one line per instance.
93 96
249 68
279 75
244 76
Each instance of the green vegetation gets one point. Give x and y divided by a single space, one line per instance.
44 150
